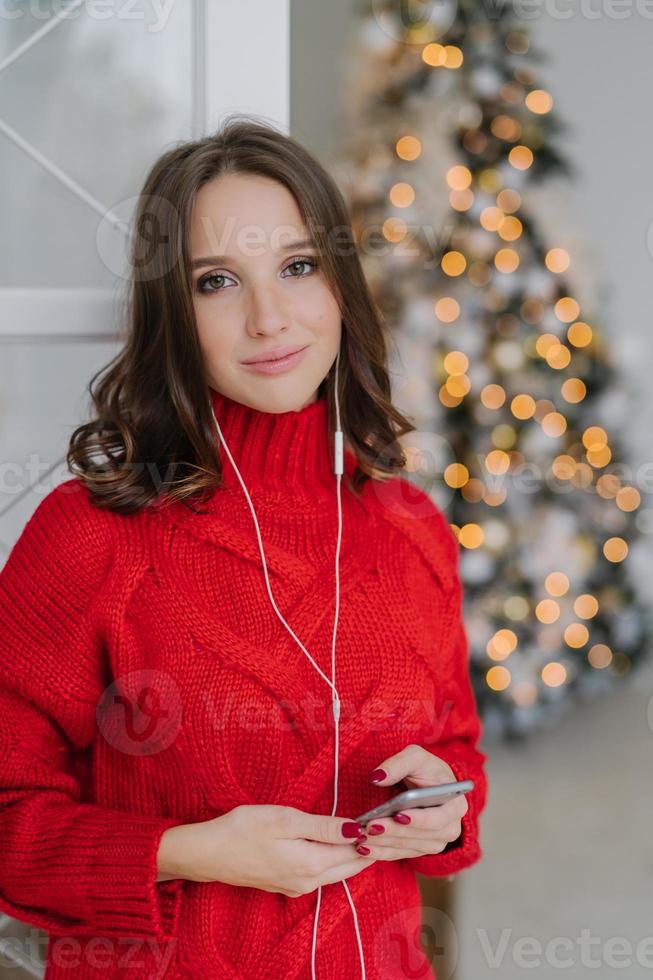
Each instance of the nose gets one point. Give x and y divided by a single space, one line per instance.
267 314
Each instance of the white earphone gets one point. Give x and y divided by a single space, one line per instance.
338 470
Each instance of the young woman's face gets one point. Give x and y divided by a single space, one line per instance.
257 287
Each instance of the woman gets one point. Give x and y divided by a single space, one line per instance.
169 804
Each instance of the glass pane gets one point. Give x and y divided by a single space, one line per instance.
98 97
43 397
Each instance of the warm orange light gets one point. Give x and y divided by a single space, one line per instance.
471 535
456 362
447 309
493 396
408 147
576 635
504 642
447 399
573 390
594 437
615 549
453 263
579 334
456 475
510 229
586 606
497 462
459 178
522 406
558 356
545 342
557 260
539 101
556 583
394 229
554 674
547 611
402 195
521 157
434 55
600 656
506 260
498 678
491 218
567 309
458 385
461 200
628 498
599 457
564 467
509 200
554 424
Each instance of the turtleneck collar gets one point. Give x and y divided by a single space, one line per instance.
277 450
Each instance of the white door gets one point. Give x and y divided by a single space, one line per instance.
91 92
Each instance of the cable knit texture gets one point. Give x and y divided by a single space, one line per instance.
146 681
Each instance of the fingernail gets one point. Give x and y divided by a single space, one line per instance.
376 828
361 839
401 818
363 850
378 775
351 829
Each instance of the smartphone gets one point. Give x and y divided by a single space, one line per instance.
422 797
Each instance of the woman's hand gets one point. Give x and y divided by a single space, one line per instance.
422 830
274 848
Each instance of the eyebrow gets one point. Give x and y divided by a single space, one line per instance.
304 243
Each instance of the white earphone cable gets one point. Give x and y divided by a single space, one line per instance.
338 469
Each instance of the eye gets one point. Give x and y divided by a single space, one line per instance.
202 283
301 261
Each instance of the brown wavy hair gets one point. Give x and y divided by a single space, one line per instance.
154 437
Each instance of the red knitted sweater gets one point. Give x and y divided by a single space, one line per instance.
145 681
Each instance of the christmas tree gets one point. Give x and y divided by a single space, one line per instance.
516 401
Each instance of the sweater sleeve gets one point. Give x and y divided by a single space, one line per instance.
457 726
67 865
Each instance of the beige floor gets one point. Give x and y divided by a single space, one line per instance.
568 845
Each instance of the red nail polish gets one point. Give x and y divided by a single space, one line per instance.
351 829
378 775
361 839
401 818
376 828
363 850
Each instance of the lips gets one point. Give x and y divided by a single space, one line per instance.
275 355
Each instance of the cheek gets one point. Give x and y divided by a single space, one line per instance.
319 313
214 335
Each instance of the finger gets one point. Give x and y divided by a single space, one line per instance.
426 820
423 767
424 843
324 857
319 827
395 853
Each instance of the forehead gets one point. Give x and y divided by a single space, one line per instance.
234 211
